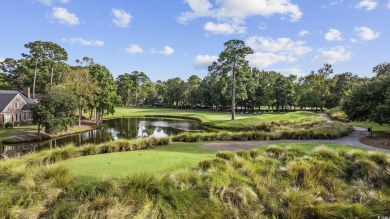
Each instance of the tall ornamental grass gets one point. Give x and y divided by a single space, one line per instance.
276 183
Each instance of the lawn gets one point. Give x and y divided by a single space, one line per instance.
158 160
375 126
152 161
220 120
4 133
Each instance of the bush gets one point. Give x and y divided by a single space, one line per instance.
9 125
225 155
338 114
274 151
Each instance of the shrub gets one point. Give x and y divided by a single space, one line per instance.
205 165
254 153
338 114
274 151
225 155
9 125
363 169
243 154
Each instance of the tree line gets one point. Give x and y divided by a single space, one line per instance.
86 87
231 84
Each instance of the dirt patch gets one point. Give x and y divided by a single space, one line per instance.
380 140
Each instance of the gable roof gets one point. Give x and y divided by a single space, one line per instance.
6 96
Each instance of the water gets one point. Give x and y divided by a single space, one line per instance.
112 129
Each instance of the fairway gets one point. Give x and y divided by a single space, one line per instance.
158 160
220 120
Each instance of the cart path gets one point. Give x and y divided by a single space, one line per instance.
351 140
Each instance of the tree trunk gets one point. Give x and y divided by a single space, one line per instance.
80 113
35 77
51 77
234 96
90 114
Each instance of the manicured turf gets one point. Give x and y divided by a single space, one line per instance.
216 119
158 160
163 159
375 126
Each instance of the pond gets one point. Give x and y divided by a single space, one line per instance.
112 129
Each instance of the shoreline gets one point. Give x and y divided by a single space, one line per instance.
34 136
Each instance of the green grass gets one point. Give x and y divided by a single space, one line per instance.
161 159
375 126
281 183
4 133
308 147
221 120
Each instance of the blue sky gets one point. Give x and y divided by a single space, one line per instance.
173 38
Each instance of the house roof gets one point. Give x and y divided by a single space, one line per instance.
6 96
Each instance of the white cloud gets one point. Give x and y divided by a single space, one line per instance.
368 4
353 40
231 14
366 33
336 2
388 5
167 51
237 9
334 35
204 61
291 71
134 48
224 28
333 55
280 45
83 42
64 16
262 60
2 59
303 33
50 2
121 18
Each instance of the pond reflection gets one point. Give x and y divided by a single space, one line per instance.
111 130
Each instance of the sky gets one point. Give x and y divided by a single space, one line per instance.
180 38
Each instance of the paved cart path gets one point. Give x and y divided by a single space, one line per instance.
351 140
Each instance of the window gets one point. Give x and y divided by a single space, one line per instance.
24 116
16 105
7 118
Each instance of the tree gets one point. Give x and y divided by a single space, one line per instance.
382 69
193 84
55 53
139 79
174 92
370 101
125 84
107 98
37 53
55 110
81 84
231 60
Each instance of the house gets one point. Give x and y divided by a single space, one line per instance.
15 105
